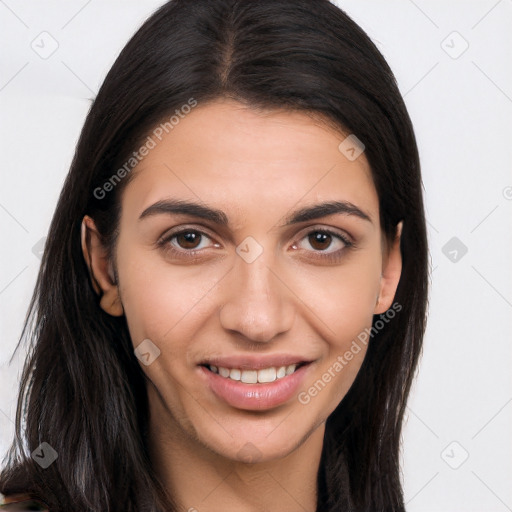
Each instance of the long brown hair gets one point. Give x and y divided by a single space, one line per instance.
82 389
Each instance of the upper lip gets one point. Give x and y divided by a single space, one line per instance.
255 362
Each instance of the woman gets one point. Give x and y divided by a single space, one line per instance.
231 302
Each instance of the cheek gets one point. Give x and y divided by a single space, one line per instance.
167 304
343 297
343 307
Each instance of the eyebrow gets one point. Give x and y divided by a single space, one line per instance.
307 213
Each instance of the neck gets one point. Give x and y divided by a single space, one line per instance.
202 480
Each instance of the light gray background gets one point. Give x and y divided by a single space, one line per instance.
460 101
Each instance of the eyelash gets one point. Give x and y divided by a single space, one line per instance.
192 253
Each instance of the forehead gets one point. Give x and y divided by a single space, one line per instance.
224 153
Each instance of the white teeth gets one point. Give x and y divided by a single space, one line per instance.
254 376
235 374
223 372
249 376
267 375
290 368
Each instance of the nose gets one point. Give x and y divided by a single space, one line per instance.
259 304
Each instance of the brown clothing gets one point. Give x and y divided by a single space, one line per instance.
21 503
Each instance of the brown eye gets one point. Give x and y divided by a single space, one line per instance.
187 243
324 245
320 240
188 239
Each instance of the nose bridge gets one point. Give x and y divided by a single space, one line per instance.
257 303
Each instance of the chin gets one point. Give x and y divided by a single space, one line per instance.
255 440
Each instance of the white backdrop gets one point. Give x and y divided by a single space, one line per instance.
452 62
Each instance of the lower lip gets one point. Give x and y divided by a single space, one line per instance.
258 396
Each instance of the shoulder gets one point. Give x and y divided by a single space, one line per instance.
21 502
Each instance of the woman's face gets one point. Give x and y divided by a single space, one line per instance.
258 276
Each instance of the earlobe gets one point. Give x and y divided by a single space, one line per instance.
391 273
100 268
111 303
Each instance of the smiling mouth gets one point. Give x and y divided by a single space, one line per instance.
260 376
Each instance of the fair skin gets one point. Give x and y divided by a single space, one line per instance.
258 168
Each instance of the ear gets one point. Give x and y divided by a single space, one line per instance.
100 268
391 272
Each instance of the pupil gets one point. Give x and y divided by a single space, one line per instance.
320 238
189 239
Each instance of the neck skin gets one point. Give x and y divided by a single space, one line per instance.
200 480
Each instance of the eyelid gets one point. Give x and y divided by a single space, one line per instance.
202 230
305 231
342 235
345 237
